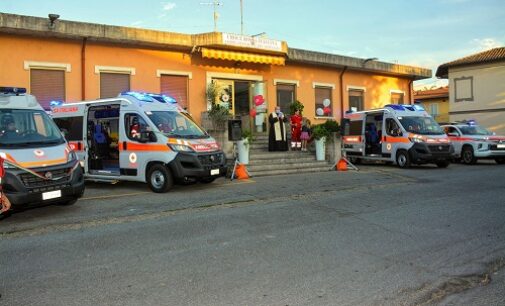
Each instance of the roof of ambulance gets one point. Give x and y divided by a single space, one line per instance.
21 101
396 110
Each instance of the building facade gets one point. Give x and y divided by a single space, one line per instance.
73 61
477 88
435 102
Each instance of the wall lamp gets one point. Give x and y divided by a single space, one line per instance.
52 19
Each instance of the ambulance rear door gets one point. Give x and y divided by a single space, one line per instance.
354 140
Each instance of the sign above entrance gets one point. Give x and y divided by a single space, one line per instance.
252 42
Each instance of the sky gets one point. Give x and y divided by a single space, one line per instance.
412 32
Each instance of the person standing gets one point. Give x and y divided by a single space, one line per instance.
5 204
277 140
296 130
305 136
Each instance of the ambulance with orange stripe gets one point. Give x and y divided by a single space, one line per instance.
402 134
40 166
140 137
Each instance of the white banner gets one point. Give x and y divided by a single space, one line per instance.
252 42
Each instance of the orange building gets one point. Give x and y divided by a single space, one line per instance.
73 61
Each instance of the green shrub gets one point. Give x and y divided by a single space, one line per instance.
319 131
297 105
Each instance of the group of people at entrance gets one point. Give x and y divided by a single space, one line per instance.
300 131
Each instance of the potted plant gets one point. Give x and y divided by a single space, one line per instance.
320 133
243 146
218 114
297 105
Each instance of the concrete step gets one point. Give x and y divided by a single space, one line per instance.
260 155
283 160
290 171
286 166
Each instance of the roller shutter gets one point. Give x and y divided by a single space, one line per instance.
112 84
175 86
47 86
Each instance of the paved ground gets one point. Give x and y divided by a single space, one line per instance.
381 236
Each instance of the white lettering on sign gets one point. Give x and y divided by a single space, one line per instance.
251 42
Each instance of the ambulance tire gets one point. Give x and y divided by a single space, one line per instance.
467 156
500 160
403 159
159 178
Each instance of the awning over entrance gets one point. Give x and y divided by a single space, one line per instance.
243 57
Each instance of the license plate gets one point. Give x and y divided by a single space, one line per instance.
51 195
214 172
501 146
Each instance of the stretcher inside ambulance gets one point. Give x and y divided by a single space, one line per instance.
140 137
403 134
40 166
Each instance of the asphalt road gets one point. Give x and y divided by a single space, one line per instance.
380 236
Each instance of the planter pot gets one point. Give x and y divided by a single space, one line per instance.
320 148
243 151
259 120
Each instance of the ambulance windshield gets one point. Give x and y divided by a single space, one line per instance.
421 125
176 124
474 130
27 128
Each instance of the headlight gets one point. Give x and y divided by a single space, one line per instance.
181 148
416 140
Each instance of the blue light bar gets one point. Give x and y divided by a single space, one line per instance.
138 95
55 103
418 107
162 98
396 107
13 90
471 122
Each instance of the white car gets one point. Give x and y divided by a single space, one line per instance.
472 142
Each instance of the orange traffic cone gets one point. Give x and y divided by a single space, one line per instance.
241 172
342 165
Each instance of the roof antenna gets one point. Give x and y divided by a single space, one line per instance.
215 3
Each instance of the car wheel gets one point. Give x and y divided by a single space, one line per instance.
500 160
159 178
207 180
443 164
467 156
403 159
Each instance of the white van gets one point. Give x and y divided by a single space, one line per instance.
40 166
403 134
140 137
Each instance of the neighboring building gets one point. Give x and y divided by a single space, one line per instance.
477 88
74 61
435 101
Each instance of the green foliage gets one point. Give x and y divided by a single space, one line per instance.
212 92
247 135
319 131
297 105
332 126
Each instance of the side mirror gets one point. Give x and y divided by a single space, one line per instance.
452 134
152 137
144 137
494 133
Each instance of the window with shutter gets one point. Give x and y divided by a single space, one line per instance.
397 97
285 97
47 86
356 99
175 86
112 84
324 107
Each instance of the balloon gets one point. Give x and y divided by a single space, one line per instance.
319 112
327 111
252 112
326 102
258 100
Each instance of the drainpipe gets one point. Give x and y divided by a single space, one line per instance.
83 69
410 91
341 78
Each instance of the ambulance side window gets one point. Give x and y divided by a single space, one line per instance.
355 127
451 130
71 127
392 128
134 126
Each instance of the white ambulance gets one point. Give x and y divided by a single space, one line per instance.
40 166
140 137
403 134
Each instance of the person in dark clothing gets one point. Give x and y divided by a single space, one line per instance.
277 139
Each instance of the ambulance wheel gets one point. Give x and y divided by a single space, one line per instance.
159 178
443 164
467 156
500 160
207 180
403 159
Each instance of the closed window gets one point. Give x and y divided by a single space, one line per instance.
112 84
356 100
397 98
463 89
285 97
135 125
434 109
47 86
392 127
324 105
175 86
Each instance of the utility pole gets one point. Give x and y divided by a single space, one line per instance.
215 3
242 17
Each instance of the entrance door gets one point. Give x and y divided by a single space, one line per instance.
242 103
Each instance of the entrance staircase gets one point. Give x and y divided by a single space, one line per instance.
263 163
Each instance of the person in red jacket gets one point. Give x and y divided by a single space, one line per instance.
5 204
296 131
